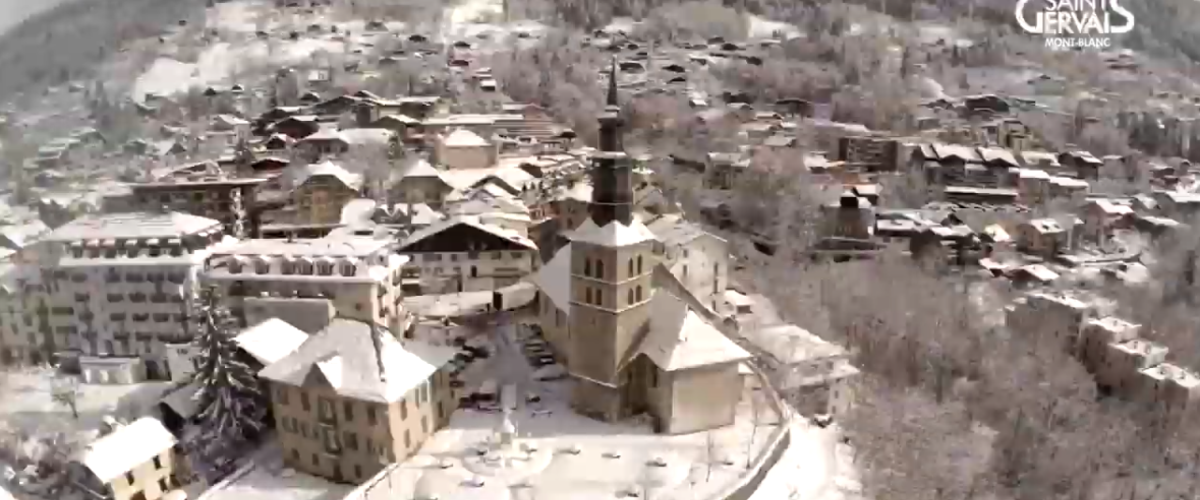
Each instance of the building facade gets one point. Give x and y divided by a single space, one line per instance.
119 285
352 399
230 201
359 276
462 254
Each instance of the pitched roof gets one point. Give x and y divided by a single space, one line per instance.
352 181
271 340
680 338
127 447
418 167
471 221
613 234
361 361
554 279
464 138
132 225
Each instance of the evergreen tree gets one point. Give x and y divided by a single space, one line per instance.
231 404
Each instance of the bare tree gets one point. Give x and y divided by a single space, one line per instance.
65 391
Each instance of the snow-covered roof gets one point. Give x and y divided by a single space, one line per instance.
554 279
472 221
132 225
271 340
613 234
418 167
680 339
360 360
352 181
464 138
126 448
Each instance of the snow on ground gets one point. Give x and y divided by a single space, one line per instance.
267 480
759 27
814 467
28 407
611 458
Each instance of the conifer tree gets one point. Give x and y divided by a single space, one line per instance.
231 405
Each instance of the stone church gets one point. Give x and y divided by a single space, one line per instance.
633 338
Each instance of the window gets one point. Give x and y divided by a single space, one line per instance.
516 255
685 271
326 409
599 297
295 455
235 267
157 463
638 293
639 264
587 295
129 477
348 406
407 440
403 409
424 425
424 393
453 257
474 272
497 255
629 296
304 401
351 440
348 269
587 267
371 418
316 461
262 267
357 471
599 268
325 269
631 267
281 395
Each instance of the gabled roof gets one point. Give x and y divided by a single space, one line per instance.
271 340
352 181
680 338
672 229
361 361
418 167
126 448
464 138
471 221
554 279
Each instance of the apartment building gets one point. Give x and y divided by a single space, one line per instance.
133 462
1056 319
1171 389
1123 363
121 284
321 191
303 281
697 258
25 332
1097 338
462 254
230 201
352 399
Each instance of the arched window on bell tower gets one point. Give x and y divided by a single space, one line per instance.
599 268
587 266
639 264
631 266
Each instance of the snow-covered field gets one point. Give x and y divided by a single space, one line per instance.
267 480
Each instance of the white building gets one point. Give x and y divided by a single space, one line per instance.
697 258
305 282
816 375
122 284
462 254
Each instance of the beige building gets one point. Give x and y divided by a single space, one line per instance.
464 149
352 399
1123 363
133 462
697 258
26 335
321 191
1171 390
230 201
816 376
122 283
1097 337
462 254
417 181
1054 319
301 281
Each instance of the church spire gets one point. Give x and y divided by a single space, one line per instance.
612 86
612 189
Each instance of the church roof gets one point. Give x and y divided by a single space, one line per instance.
554 279
681 339
613 234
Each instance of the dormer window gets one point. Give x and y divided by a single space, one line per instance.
325 269
132 250
262 267
235 266
599 268
348 269
177 250
287 266
587 266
